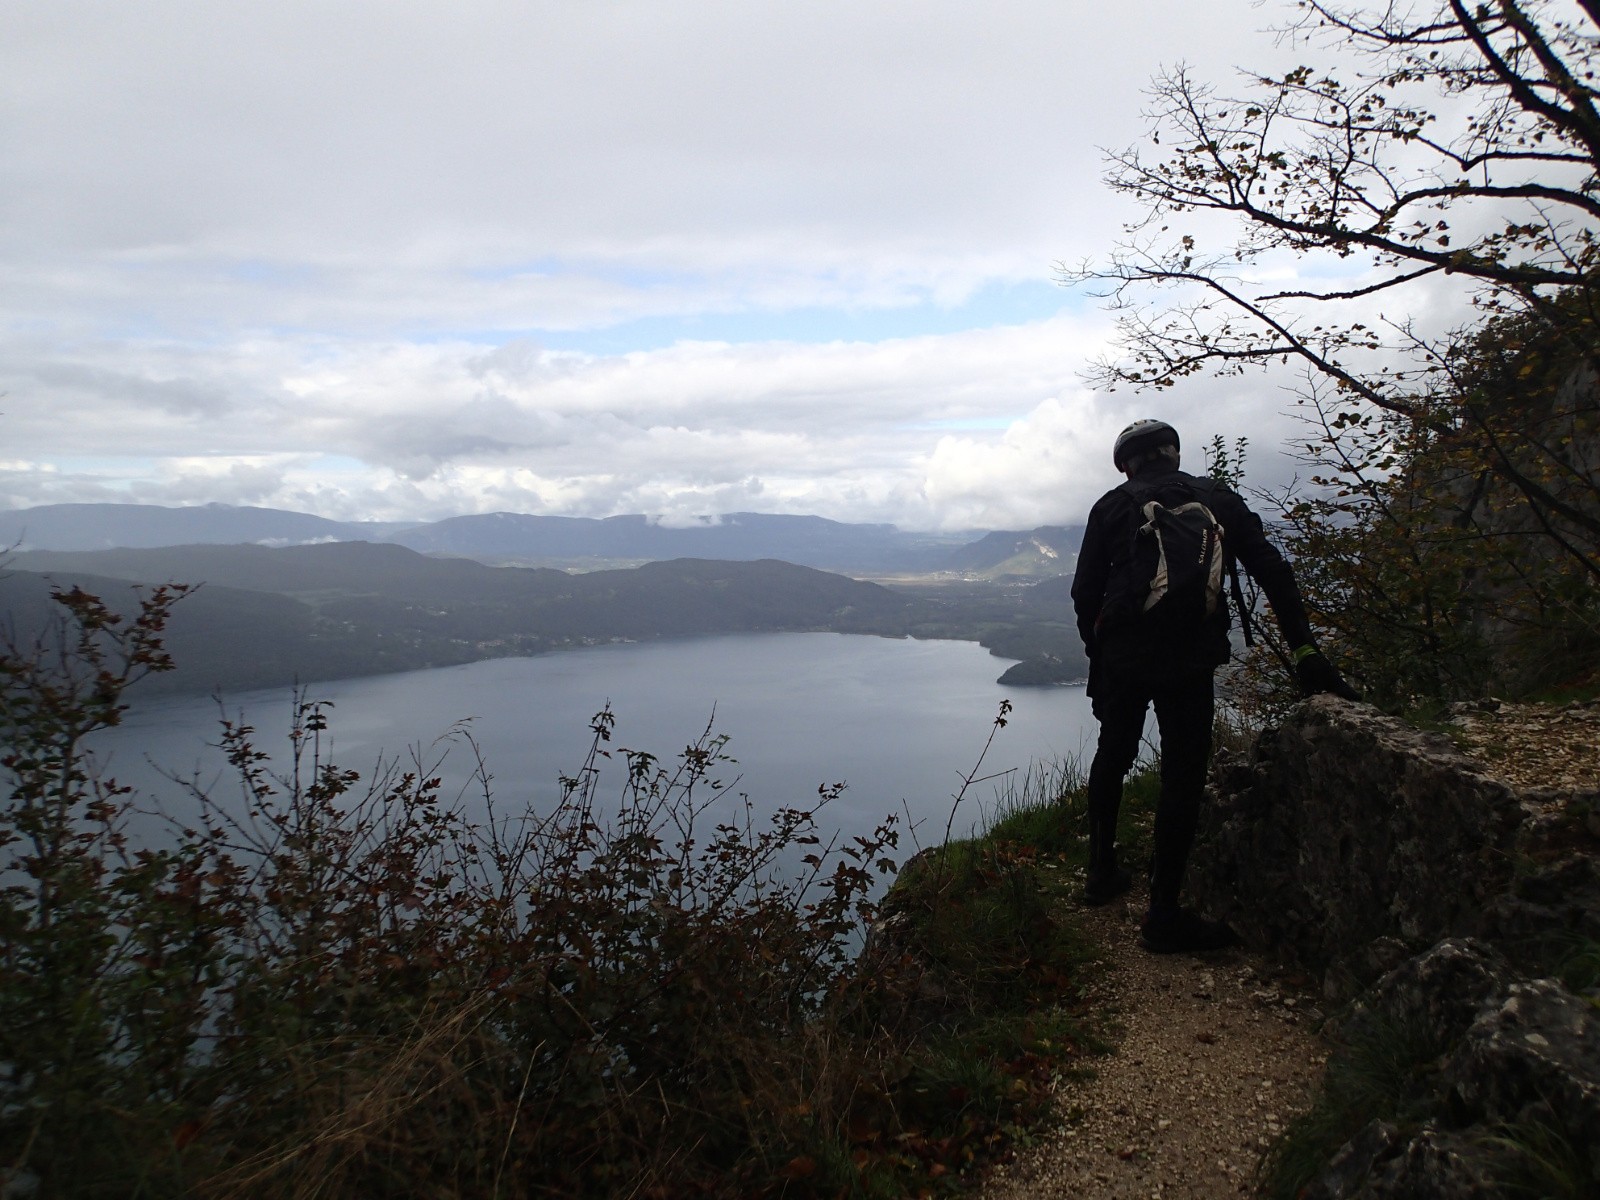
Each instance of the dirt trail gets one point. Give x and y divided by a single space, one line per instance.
1213 1057
1213 1054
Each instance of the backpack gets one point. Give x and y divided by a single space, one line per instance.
1173 578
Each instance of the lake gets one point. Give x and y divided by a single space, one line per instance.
898 721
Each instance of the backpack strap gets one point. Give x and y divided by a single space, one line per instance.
1238 599
1239 605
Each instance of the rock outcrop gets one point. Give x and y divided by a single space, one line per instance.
1442 905
1505 1095
1348 840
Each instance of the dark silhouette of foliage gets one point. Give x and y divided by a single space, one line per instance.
1451 157
337 984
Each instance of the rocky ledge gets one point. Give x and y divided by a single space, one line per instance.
1453 915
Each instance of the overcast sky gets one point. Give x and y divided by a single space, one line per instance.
403 260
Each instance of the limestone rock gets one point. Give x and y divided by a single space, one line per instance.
1552 904
1441 991
1533 1054
1345 827
1432 1165
1435 897
1348 1171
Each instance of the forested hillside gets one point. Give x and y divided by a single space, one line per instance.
259 616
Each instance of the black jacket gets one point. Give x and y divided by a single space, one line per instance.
1108 542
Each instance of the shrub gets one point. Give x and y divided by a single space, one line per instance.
349 987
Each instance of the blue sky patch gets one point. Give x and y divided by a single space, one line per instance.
994 306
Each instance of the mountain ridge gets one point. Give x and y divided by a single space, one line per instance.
523 539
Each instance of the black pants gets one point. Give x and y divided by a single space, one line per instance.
1185 705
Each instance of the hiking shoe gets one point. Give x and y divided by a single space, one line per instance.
1180 931
1104 888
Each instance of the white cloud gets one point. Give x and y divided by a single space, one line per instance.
616 130
345 257
981 428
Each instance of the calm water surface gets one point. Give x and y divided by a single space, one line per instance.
898 721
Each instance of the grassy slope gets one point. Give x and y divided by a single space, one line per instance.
993 918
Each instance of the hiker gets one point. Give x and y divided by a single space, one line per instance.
1156 630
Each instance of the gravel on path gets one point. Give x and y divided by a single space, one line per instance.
1214 1055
